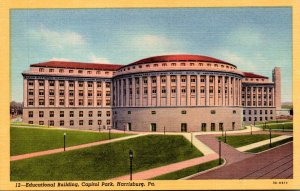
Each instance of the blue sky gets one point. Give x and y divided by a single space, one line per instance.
254 39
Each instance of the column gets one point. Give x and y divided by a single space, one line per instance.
188 90
127 92
229 91
122 93
149 97
36 93
25 92
251 95
216 96
95 94
158 90
223 91
257 95
268 100
168 87
66 93
56 93
141 90
273 97
76 93
103 84
178 90
207 90
85 93
46 92
240 91
198 90
133 92
233 91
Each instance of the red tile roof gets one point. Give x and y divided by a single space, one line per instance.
179 57
251 75
78 65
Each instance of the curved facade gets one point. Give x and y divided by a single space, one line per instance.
161 93
177 93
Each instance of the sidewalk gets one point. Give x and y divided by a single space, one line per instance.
148 174
59 150
261 143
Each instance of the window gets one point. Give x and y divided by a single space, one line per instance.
41 113
30 82
212 111
90 84
153 79
163 90
202 90
108 102
41 92
80 122
80 84
80 92
90 93
145 81
249 112
183 79
99 85
30 114
41 102
221 128
183 89
213 127
266 111
71 114
202 79
153 112
71 122
51 113
145 90
129 112
211 89
61 83
183 112
99 122
90 102
107 93
61 102
51 92
80 113
80 71
61 123
30 92
108 113
30 101
244 112
90 113
193 79
99 94
271 111
71 101
51 101
173 78
71 71
193 89
99 113
41 122
173 64
99 101
234 111
41 82
89 72
255 112
90 122
154 90
61 92
61 114
71 93
30 122
108 122
163 79
203 126
173 89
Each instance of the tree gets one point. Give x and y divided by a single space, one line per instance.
16 108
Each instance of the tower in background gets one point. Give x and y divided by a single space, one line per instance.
277 81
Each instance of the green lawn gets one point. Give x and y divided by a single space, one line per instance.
266 147
287 125
242 140
189 171
105 161
28 140
272 122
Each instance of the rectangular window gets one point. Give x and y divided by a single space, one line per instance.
41 122
193 89
90 84
41 92
90 102
61 92
173 89
51 101
173 78
80 113
203 126
71 114
80 122
183 112
221 127
266 111
51 92
163 90
108 113
51 82
90 113
41 102
90 93
213 127
30 101
99 122
183 89
80 93
99 113
30 92
61 83
30 82
41 82
61 114
212 111
153 112
30 114
41 113
61 101
108 102
202 90
90 122
51 113
71 122
80 84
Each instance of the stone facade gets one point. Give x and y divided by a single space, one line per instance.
174 92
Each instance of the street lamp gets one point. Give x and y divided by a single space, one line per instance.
219 152
225 137
130 158
65 141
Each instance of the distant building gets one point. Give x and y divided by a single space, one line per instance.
171 92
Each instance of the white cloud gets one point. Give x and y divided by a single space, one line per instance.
57 39
99 60
59 59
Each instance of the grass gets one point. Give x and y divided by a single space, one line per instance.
189 171
271 122
242 140
105 161
266 147
28 140
278 126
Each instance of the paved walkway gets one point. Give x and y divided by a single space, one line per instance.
262 143
276 163
148 174
59 150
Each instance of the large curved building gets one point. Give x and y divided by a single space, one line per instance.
161 93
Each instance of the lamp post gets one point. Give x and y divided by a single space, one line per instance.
251 128
99 128
130 158
219 152
225 137
65 141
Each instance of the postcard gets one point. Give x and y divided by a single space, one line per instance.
149 96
